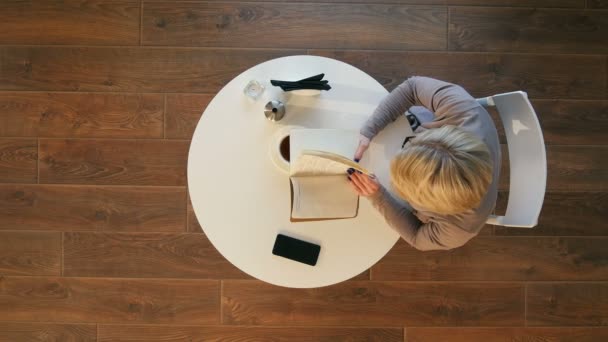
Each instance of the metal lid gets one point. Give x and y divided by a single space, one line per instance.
274 110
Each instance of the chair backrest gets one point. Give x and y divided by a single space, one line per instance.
527 159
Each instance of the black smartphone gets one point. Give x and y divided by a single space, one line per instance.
296 250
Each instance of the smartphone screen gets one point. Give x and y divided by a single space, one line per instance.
297 250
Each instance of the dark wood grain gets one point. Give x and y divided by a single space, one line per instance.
374 303
70 115
587 334
18 160
486 230
542 76
577 168
573 122
152 255
96 22
311 25
114 119
569 168
193 225
126 69
513 3
435 2
500 127
87 300
183 113
566 122
42 332
30 253
564 214
528 30
520 3
599 4
105 208
132 162
570 304
117 333
500 258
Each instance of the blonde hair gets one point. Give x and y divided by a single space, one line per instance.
445 170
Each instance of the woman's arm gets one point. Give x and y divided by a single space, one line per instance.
448 102
424 237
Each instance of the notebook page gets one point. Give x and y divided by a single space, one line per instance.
323 197
338 141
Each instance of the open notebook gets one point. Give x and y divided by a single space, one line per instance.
319 161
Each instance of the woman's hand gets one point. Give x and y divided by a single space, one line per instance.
363 145
363 184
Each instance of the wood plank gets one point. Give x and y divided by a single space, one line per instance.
374 303
129 162
10 332
69 115
105 208
486 230
18 160
597 4
569 168
520 3
500 258
500 127
577 168
30 253
145 333
152 255
567 122
91 22
193 224
126 69
573 122
507 3
527 30
336 1
487 74
291 25
183 113
564 214
504 178
586 334
120 301
567 304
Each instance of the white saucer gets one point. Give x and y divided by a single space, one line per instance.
306 92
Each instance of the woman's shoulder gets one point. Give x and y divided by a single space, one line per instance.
470 221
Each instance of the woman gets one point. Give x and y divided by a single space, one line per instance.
448 173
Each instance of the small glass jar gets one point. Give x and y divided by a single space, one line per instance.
254 89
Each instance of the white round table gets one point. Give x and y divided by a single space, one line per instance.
242 199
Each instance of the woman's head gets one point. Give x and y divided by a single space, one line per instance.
445 170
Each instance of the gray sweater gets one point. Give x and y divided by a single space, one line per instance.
451 105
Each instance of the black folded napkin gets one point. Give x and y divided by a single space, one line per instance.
313 82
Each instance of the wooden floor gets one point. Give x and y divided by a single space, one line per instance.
98 102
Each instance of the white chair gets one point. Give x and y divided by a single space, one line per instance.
527 159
